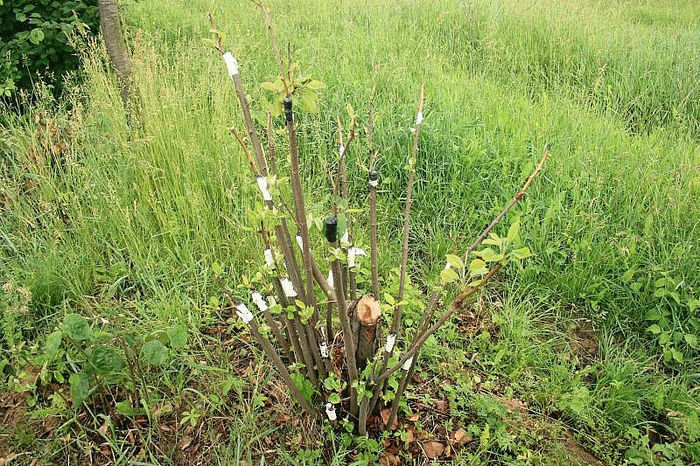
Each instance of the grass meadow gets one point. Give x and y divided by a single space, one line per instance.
586 354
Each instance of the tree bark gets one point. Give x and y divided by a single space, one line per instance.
113 35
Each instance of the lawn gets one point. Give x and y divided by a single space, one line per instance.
586 353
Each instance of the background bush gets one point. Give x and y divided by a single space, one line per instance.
35 41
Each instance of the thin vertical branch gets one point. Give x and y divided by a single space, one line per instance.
271 354
331 236
396 323
232 65
373 183
273 41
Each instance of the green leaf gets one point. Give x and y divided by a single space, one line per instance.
691 340
494 240
478 267
209 42
522 253
489 255
177 336
76 327
106 360
455 261
334 398
53 343
448 276
36 36
125 408
305 386
389 299
315 84
655 329
155 352
79 388
677 355
216 268
308 101
513 231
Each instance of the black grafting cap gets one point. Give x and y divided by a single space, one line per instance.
373 175
331 229
287 104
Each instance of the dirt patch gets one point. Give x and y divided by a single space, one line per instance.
584 339
579 454
13 407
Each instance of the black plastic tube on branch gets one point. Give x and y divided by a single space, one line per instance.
287 105
331 229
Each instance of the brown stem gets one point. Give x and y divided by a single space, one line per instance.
406 378
374 261
347 334
273 41
299 206
396 321
273 356
245 149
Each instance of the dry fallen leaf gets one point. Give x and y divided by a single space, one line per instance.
184 442
104 427
389 459
385 413
461 437
433 449
413 417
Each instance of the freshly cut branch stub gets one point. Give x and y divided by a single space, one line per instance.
367 314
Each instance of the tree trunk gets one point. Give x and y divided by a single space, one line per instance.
113 35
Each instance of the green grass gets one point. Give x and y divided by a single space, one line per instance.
126 227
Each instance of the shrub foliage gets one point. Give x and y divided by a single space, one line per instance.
35 40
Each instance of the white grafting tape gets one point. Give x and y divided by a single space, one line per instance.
390 341
323 346
262 184
447 266
259 301
330 278
330 412
374 183
407 365
231 64
288 288
268 258
243 312
351 257
353 252
300 243
341 150
419 118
